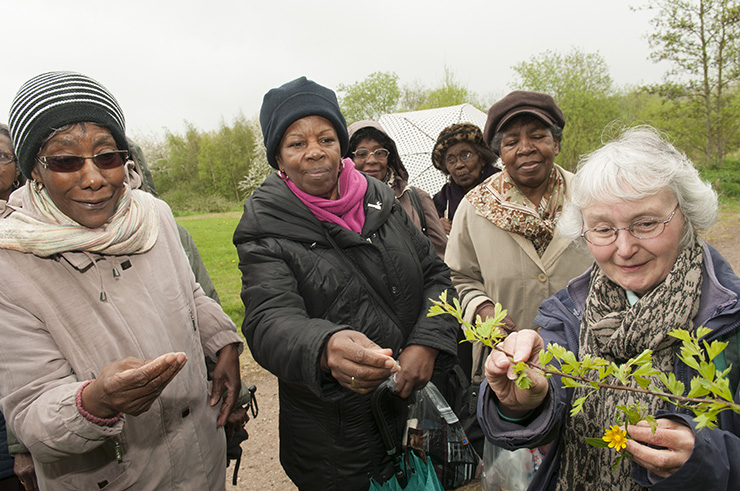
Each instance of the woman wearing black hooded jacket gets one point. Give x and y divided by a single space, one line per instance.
310 317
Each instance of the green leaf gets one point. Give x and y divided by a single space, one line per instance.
569 382
545 357
596 442
681 334
707 370
715 348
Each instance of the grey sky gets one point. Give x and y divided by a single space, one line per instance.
171 61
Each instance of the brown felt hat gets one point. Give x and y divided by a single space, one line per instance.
520 102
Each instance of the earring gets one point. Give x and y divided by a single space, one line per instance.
16 184
283 175
37 185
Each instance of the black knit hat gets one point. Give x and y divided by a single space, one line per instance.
292 101
55 99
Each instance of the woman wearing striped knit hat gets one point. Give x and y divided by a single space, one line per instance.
103 327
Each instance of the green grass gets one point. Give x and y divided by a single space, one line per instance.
213 236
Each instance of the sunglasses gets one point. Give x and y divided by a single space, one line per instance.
73 163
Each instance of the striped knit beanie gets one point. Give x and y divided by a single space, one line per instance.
55 99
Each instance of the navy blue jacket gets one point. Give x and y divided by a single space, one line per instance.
715 461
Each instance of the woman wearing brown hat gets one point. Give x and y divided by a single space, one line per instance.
461 153
504 246
375 154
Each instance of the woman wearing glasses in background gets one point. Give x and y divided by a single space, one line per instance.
640 207
375 154
10 174
104 328
461 153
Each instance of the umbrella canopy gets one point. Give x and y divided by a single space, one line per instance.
415 134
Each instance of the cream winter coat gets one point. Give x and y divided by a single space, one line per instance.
488 263
57 333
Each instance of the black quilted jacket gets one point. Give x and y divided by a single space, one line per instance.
297 292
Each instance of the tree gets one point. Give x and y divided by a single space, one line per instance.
700 38
581 85
378 94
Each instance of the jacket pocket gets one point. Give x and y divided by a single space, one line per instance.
102 468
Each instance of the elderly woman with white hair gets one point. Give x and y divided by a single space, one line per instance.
640 207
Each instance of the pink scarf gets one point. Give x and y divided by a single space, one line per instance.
347 211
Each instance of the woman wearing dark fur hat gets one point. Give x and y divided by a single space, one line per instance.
104 328
466 159
336 282
375 154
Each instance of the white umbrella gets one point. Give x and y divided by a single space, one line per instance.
415 134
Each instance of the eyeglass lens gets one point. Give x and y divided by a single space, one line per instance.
73 163
6 158
380 153
463 157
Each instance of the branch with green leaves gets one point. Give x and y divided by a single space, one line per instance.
708 395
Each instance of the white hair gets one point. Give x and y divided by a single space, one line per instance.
638 164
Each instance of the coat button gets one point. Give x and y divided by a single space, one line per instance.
394 290
542 277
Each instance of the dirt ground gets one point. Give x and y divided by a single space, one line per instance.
260 467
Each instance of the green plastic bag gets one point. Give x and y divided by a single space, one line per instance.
420 475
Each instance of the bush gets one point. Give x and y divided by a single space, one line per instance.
186 202
726 181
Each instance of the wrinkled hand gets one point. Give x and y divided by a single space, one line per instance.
23 468
524 346
487 310
417 367
130 385
350 354
446 225
676 442
226 376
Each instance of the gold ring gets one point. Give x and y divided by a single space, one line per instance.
353 383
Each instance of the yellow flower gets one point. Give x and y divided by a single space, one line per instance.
615 437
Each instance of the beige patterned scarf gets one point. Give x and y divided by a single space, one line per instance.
39 227
613 330
501 201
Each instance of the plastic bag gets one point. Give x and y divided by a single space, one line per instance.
506 470
434 432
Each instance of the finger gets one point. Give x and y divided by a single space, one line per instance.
227 407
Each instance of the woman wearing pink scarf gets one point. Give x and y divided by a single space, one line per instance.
336 286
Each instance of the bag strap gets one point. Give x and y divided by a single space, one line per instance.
416 203
363 279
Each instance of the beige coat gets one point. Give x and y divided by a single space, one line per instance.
490 264
57 333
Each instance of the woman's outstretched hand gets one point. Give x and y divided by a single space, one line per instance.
356 362
130 385
514 402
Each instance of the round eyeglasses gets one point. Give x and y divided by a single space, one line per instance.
6 158
647 228
463 157
364 154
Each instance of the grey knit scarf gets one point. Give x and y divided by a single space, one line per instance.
613 330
